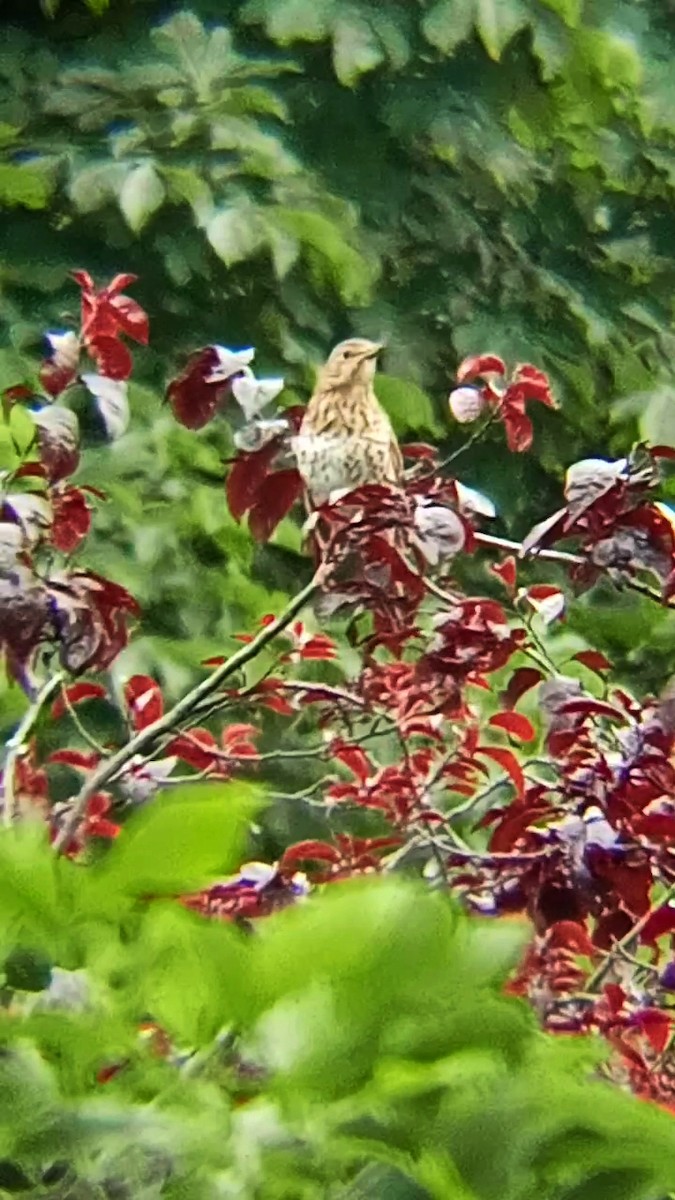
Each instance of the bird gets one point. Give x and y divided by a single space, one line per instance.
346 439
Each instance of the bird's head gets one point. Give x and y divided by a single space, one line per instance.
351 362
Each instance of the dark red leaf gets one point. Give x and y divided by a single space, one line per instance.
655 1025
515 724
307 851
352 757
506 571
193 400
508 762
522 680
83 760
570 935
56 379
144 697
417 450
196 748
274 499
58 440
593 659
71 519
519 431
590 708
75 694
661 921
248 472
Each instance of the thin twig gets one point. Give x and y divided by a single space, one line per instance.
626 943
499 543
17 744
184 707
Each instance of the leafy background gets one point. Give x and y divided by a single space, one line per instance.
451 176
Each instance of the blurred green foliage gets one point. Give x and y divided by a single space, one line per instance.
449 176
359 1045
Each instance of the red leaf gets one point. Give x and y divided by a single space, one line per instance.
479 365
131 318
111 356
570 935
509 763
71 519
269 691
274 500
55 379
519 431
593 659
309 850
195 749
534 384
661 921
235 740
506 571
75 694
655 1025
590 708
418 450
58 440
352 757
515 724
318 648
249 471
119 283
144 698
193 400
522 680
83 760
542 591
662 451
84 279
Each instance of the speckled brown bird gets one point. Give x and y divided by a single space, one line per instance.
346 439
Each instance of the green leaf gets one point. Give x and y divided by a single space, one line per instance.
497 21
292 20
235 233
657 418
26 186
96 185
356 49
409 408
448 23
141 195
569 10
330 256
181 842
188 972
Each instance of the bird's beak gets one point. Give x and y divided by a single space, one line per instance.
374 350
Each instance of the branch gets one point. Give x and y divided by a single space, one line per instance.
626 943
112 766
575 560
17 744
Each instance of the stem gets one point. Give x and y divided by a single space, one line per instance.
16 745
499 543
625 943
184 707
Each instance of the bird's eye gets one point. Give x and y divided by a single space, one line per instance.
347 353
